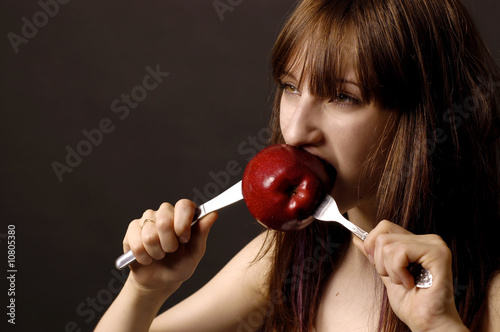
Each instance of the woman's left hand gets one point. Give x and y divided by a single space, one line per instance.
391 248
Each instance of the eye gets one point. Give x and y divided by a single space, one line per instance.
289 88
345 100
342 98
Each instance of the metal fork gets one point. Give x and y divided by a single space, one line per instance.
328 211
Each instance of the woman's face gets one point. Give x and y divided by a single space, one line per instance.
342 130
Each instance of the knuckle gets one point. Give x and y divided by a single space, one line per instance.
440 245
160 255
130 240
385 223
131 226
164 224
433 238
166 206
400 253
125 244
440 242
171 246
140 253
150 239
445 252
381 241
185 203
138 250
387 250
148 212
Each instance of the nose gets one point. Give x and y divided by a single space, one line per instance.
301 123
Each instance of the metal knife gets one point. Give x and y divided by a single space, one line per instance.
228 197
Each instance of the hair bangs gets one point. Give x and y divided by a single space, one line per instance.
321 49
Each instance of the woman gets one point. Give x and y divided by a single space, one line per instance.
401 98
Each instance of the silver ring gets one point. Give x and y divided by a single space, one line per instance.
146 221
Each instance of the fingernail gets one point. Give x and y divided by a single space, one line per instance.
183 239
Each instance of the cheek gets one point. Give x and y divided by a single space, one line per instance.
355 182
359 168
351 156
352 144
361 137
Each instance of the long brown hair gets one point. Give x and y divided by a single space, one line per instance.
425 59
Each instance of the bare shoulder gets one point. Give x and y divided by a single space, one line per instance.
492 317
251 264
227 301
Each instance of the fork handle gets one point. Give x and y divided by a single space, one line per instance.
359 232
422 277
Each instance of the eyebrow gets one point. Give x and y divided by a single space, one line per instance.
288 74
342 81
349 82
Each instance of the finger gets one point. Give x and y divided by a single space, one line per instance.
380 250
383 227
358 243
399 268
387 245
126 239
183 217
165 228
149 214
396 263
133 241
151 240
434 255
399 250
200 232
206 223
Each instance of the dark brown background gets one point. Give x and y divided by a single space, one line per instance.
206 113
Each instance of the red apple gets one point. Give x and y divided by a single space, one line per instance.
283 185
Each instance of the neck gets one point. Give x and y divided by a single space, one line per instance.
364 215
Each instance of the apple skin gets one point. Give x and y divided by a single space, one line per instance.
283 184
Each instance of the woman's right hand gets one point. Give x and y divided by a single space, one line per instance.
167 248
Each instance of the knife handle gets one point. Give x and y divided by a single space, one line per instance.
128 258
227 197
125 260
